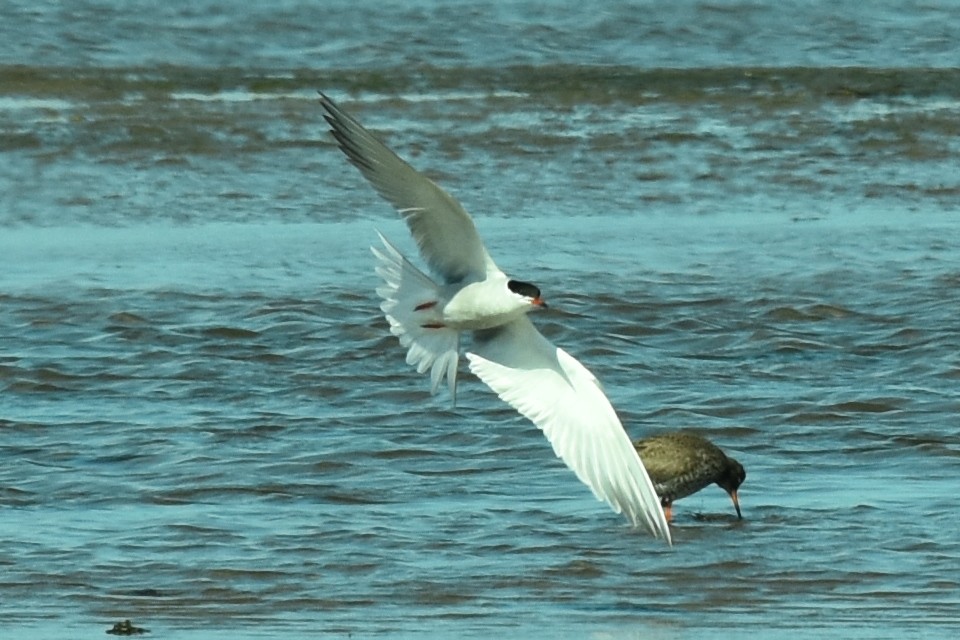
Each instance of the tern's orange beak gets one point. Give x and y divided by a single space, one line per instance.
538 302
736 503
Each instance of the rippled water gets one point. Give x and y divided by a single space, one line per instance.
744 216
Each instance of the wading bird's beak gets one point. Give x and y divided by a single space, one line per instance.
538 302
736 503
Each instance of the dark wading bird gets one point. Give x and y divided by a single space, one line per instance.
682 463
470 294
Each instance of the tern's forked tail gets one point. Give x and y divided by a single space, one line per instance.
413 307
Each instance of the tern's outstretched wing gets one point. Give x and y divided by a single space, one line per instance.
444 232
561 397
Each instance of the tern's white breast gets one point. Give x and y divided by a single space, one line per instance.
483 305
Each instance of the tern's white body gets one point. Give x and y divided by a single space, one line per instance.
542 382
482 305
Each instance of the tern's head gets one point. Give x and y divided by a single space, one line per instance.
530 293
731 479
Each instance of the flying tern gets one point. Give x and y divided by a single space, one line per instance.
471 294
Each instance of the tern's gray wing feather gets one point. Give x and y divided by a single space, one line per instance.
444 232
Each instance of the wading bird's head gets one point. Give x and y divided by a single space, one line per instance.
733 476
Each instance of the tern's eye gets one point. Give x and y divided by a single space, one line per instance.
523 289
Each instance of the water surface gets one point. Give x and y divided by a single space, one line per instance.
742 214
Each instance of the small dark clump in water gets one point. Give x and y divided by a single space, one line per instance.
126 628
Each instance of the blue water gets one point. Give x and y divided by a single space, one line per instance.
293 34
743 216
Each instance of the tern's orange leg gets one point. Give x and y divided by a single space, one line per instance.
667 509
423 306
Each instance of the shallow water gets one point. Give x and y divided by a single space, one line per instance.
742 214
